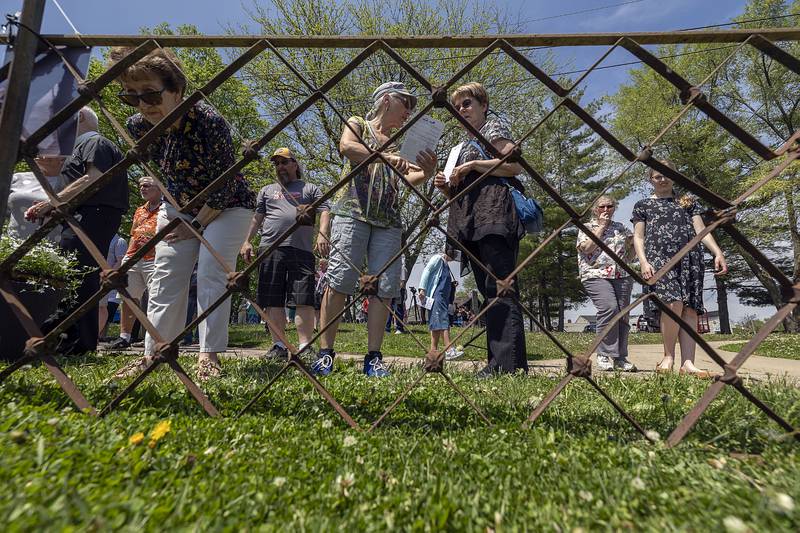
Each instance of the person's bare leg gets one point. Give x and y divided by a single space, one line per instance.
446 336
277 323
376 323
688 344
669 336
102 318
435 336
126 319
304 319
332 305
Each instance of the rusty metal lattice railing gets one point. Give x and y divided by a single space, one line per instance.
41 346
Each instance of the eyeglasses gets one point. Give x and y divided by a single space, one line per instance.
134 99
606 207
405 100
465 104
282 162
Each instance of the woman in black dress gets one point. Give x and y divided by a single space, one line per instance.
662 226
485 222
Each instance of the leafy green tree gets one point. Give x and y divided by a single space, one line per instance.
760 95
315 134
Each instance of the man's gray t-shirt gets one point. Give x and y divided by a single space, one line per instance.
279 208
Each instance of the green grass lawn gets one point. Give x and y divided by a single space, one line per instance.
291 464
352 338
783 345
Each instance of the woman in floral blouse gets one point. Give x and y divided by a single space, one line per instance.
662 226
607 284
194 151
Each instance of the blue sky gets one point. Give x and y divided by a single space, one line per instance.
211 16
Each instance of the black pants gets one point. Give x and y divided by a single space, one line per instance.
100 224
505 328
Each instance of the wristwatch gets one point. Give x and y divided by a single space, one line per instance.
196 225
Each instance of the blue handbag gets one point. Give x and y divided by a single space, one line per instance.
528 209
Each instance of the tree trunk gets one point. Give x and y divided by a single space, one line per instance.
722 306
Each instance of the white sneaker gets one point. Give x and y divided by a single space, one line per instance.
452 353
623 365
604 363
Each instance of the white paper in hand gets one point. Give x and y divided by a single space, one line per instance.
427 302
423 135
452 158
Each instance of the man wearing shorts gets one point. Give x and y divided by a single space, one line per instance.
143 228
286 276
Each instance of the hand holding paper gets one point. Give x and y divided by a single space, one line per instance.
423 135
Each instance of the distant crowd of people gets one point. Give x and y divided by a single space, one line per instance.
358 229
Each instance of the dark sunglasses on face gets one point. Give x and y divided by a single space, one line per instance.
465 104
282 162
134 99
606 207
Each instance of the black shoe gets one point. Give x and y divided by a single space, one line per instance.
486 373
277 352
119 344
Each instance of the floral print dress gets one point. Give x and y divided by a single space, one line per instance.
668 228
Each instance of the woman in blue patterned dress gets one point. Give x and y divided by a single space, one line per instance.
662 226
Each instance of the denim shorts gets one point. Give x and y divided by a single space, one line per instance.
356 244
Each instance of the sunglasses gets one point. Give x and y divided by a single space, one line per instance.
405 100
134 99
606 206
282 162
465 104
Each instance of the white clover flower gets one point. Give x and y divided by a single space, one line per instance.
734 524
449 445
637 483
326 424
349 441
345 483
783 503
652 435
279 481
586 496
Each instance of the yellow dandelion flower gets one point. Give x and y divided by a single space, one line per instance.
152 443
160 429
136 438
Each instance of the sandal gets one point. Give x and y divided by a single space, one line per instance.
699 374
133 368
661 369
207 369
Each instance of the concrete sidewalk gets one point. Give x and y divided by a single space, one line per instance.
644 356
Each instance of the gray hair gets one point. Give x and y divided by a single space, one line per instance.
601 198
87 120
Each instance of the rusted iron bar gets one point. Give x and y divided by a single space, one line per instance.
13 112
430 41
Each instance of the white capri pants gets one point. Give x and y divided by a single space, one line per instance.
169 286
139 277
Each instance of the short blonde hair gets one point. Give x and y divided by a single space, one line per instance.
161 63
473 89
603 198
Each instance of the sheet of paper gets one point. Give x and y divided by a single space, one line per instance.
452 158
424 134
427 302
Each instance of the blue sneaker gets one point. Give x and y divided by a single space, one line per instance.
324 363
374 367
